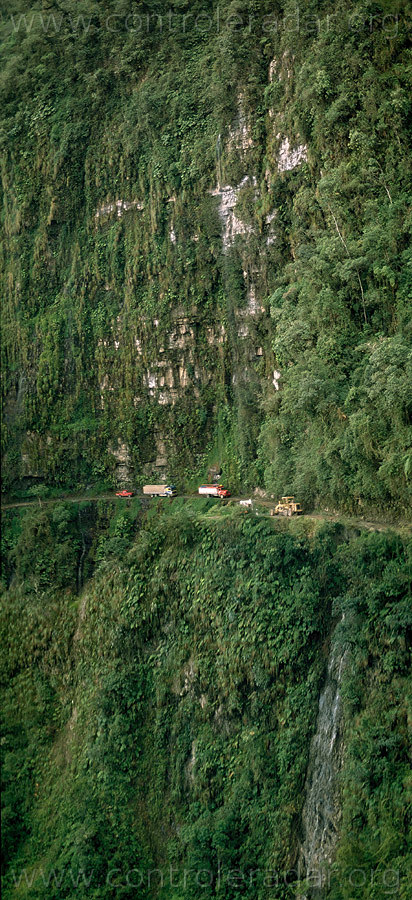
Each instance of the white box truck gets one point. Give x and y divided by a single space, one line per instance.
159 490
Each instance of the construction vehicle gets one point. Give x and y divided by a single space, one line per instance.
159 490
124 494
214 490
287 506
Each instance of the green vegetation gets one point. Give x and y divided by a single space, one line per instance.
163 715
205 259
101 104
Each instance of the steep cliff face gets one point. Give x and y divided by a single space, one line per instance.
165 704
195 217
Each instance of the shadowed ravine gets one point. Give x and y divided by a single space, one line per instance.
321 812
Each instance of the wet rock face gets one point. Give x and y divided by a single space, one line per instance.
321 812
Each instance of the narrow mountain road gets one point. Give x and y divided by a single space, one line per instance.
320 515
50 501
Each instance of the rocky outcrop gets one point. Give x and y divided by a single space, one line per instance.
161 452
290 157
117 206
282 68
240 138
121 453
34 455
275 379
271 235
232 224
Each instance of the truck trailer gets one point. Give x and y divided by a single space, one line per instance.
159 490
214 490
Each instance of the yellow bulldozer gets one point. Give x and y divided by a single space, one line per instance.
287 506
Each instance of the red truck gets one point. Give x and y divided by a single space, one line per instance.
214 490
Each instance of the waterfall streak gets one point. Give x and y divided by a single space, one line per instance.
321 811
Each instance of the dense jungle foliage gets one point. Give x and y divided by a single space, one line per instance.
118 121
158 707
205 258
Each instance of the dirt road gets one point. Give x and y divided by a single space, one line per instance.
325 515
